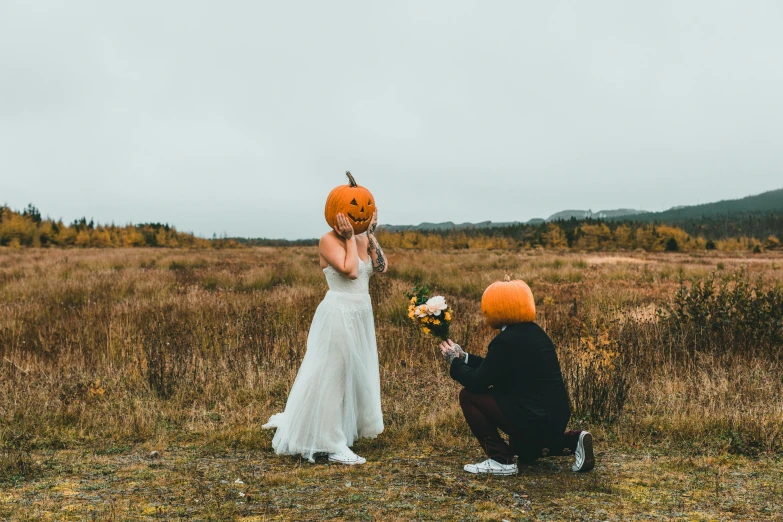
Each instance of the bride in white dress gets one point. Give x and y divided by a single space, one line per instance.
336 396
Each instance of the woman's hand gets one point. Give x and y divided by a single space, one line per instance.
343 227
379 262
342 256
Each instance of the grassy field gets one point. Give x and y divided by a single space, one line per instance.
107 356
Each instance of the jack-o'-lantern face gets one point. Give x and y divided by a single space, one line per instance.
354 201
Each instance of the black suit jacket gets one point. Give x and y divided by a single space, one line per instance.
522 372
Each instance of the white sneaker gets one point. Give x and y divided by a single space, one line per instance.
585 460
492 467
347 457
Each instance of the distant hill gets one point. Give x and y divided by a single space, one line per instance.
448 225
589 214
766 203
564 215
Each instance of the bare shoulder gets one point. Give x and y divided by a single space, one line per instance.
326 238
330 241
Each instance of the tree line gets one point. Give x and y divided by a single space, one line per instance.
747 232
590 235
29 229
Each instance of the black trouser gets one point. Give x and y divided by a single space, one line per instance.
485 419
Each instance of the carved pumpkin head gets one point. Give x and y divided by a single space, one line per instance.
354 201
508 302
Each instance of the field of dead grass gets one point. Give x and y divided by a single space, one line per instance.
107 355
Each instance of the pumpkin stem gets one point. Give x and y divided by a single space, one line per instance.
507 278
351 181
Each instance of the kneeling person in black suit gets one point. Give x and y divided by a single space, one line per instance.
517 387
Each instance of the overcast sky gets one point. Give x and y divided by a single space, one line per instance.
239 117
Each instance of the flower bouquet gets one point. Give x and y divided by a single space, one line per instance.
431 314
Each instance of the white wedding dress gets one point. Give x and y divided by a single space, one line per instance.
336 396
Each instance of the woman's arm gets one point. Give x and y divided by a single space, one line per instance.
343 256
379 262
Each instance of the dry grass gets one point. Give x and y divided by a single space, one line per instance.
108 354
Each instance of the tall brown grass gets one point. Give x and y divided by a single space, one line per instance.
106 348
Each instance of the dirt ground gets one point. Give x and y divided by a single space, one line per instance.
196 483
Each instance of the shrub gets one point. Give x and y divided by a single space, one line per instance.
167 345
595 375
16 463
731 314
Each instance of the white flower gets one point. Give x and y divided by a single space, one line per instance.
436 304
421 311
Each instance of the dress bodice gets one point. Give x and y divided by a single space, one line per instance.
341 283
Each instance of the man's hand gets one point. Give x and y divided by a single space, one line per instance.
446 346
451 351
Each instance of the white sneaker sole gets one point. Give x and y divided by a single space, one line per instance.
482 471
585 459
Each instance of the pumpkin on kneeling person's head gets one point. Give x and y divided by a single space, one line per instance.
508 302
354 201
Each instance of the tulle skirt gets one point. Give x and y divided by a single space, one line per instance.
336 396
